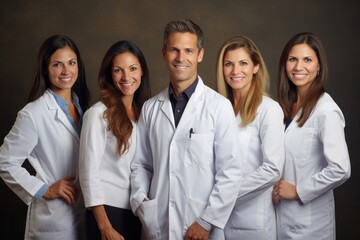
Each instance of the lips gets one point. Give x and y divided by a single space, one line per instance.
65 79
180 67
299 75
127 84
237 78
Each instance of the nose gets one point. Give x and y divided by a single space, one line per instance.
235 69
298 65
180 56
64 70
125 75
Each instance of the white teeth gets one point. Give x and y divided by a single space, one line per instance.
67 79
127 85
237 78
180 67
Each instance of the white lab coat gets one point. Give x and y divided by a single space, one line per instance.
185 175
43 135
104 175
262 153
316 161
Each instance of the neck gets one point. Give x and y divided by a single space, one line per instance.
239 96
181 86
64 94
127 101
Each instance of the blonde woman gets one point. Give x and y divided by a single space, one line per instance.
242 77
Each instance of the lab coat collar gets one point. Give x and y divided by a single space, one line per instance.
59 115
190 108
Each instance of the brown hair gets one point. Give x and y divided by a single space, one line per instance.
119 122
287 94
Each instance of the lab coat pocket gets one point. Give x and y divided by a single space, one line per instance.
193 210
147 213
199 150
50 215
304 141
294 215
247 215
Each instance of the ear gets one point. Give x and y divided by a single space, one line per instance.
201 55
256 69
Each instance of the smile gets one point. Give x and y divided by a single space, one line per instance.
127 84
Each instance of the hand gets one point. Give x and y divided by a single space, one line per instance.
109 233
104 225
196 232
64 188
284 190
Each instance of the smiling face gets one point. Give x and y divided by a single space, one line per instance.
63 70
182 57
302 66
126 73
239 70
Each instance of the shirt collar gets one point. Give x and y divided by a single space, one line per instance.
187 93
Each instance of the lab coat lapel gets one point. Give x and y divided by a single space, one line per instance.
59 114
166 107
193 105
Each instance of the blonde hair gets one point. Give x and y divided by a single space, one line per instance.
259 83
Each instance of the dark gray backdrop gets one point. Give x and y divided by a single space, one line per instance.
95 25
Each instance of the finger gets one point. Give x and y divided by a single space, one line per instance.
69 178
68 196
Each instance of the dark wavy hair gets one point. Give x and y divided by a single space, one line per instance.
41 75
287 94
118 121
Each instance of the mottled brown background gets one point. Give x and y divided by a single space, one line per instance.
95 25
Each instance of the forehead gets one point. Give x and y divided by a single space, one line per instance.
302 49
125 58
182 40
63 53
237 53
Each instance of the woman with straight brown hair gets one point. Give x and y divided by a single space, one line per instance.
316 155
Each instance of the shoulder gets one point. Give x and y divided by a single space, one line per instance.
326 103
327 107
269 105
37 107
209 95
96 110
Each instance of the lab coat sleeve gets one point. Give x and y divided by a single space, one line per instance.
331 133
271 130
227 166
92 148
142 164
17 147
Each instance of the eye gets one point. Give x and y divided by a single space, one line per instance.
292 59
117 70
172 50
73 62
132 69
228 64
189 51
57 64
307 60
243 63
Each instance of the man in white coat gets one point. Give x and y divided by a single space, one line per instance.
186 170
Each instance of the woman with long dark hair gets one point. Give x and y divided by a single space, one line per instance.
47 133
108 143
316 155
